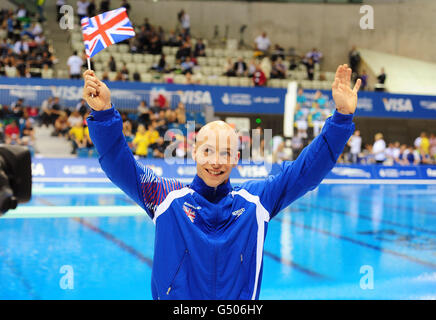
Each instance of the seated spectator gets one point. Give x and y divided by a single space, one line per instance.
161 66
141 141
173 40
127 131
124 72
317 118
55 110
229 68
300 119
315 55
190 79
240 68
184 51
310 68
259 78
159 147
278 70
424 156
278 52
143 112
28 135
301 98
74 119
187 66
61 125
155 45
77 137
81 107
12 133
200 48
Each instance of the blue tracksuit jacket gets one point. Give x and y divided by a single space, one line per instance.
209 241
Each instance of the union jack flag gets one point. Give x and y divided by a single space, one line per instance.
101 31
189 212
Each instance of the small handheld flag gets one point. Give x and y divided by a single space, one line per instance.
105 29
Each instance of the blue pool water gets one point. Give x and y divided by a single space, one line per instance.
341 241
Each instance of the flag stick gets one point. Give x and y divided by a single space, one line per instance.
89 68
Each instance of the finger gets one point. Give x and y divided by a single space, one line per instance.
90 91
92 85
88 72
357 85
338 70
93 80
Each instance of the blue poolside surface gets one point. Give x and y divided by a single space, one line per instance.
340 241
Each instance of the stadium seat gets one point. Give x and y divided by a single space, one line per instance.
47 73
142 67
170 60
127 57
217 71
148 58
206 70
138 58
132 67
146 77
179 79
156 58
123 48
202 61
274 83
103 56
223 81
246 82
98 66
234 81
118 57
212 81
212 61
166 50
112 75
174 50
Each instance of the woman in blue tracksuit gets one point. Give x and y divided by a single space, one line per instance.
210 235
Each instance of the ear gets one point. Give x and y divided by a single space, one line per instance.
194 153
237 157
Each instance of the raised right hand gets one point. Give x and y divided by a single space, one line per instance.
95 92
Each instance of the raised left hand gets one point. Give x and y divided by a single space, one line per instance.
345 97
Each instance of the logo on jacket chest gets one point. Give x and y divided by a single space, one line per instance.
190 210
237 213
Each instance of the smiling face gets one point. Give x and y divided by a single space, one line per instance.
216 152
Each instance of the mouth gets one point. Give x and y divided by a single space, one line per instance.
215 173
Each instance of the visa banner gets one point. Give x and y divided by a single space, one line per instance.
89 170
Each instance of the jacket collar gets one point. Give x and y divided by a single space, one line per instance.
210 193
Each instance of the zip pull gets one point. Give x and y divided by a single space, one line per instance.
168 291
241 258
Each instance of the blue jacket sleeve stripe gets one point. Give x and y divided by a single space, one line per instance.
116 159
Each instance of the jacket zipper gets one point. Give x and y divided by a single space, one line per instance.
177 272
